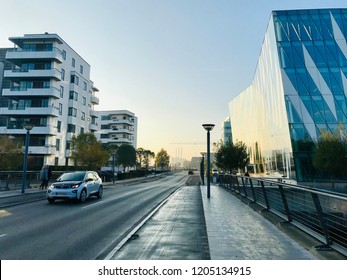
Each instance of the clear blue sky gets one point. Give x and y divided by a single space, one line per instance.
175 63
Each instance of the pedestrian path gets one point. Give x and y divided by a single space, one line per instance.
237 232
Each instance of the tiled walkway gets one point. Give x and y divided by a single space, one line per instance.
237 232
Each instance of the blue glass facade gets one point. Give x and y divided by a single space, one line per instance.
299 90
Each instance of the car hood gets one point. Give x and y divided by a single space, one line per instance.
66 184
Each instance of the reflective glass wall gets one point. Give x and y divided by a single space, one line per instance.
299 90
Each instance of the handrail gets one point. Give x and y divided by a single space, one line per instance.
320 213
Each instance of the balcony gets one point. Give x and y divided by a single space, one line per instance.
94 113
42 150
49 111
43 92
93 127
19 54
94 100
19 74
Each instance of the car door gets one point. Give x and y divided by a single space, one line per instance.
90 183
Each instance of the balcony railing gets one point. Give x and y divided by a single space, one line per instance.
95 100
20 73
19 54
21 110
23 91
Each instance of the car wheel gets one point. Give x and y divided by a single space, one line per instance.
83 195
51 200
100 192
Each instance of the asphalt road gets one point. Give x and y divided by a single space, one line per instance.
69 230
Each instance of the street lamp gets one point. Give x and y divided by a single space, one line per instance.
113 166
28 127
208 128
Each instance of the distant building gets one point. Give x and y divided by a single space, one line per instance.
298 91
226 130
118 127
46 84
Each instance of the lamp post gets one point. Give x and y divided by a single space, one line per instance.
208 128
28 127
113 165
202 168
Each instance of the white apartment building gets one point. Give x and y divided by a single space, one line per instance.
118 127
48 87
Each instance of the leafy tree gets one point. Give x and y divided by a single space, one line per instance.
11 153
139 157
162 159
230 156
147 156
330 154
87 152
126 156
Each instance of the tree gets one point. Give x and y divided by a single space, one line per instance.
126 156
330 153
230 156
147 156
87 152
162 159
11 153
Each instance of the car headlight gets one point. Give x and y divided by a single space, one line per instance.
75 186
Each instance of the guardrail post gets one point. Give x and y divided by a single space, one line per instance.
252 188
265 195
244 186
285 203
321 218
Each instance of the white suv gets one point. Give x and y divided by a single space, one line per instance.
75 185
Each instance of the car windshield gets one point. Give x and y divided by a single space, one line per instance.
76 176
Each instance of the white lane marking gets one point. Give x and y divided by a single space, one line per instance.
94 204
125 239
2 235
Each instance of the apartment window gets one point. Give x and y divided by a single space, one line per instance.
74 79
83 116
62 74
73 63
82 130
84 85
59 126
73 95
84 101
68 145
61 91
72 112
64 55
71 128
60 108
81 69
57 144
105 126
105 118
104 136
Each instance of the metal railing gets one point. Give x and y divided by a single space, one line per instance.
320 213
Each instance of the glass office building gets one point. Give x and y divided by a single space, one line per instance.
298 91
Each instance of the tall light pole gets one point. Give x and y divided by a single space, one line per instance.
113 165
28 127
208 128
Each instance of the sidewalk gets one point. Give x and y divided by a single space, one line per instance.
237 232
234 231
